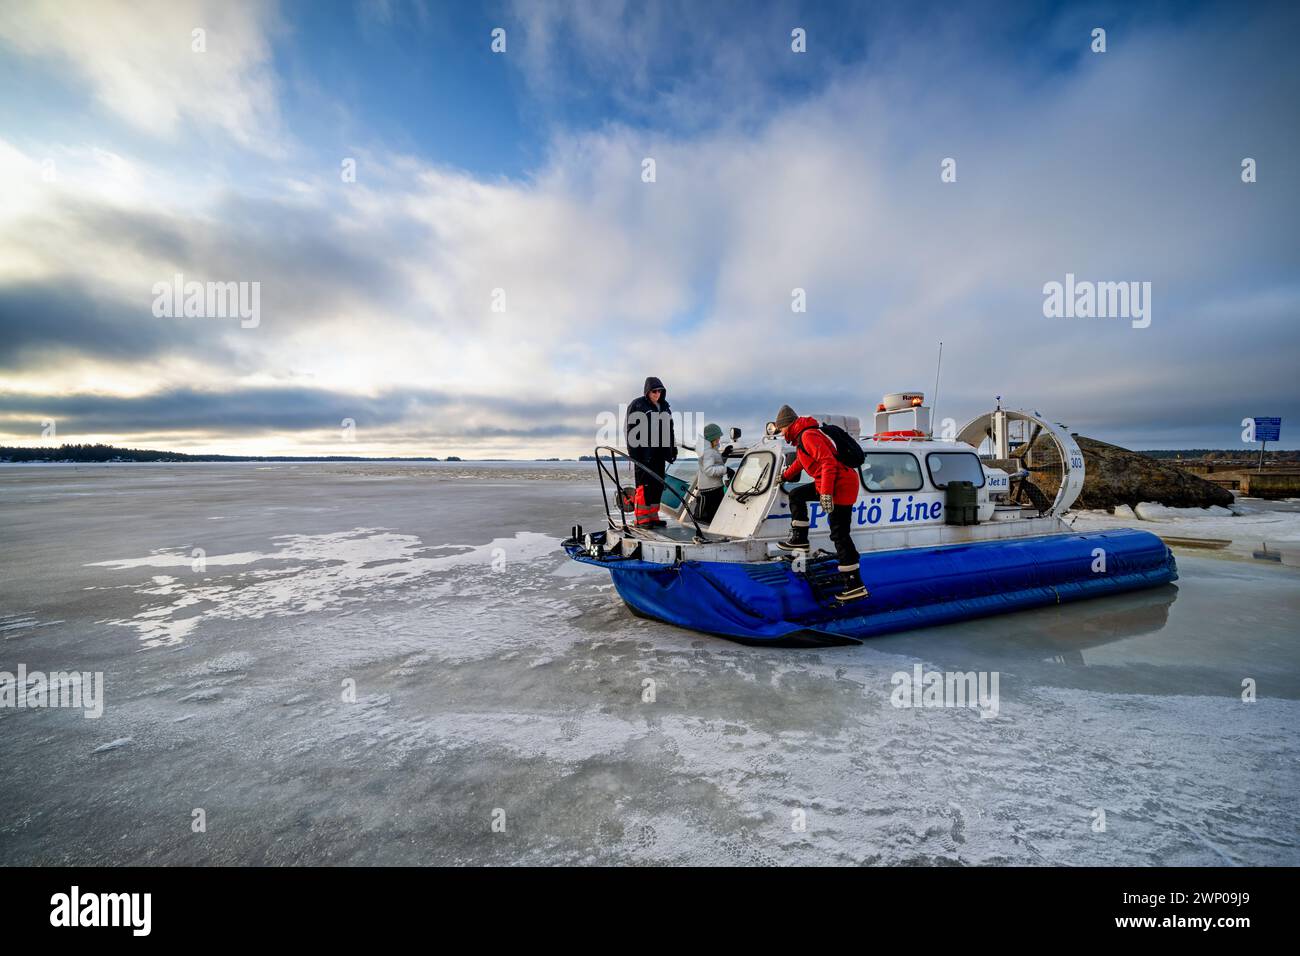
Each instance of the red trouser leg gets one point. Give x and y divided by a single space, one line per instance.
645 511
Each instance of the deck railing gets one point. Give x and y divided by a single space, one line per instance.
638 471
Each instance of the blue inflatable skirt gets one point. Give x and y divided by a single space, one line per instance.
916 587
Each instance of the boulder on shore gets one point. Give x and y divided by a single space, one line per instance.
1115 476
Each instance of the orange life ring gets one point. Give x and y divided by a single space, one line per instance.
903 435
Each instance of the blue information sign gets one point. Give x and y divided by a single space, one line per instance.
1268 429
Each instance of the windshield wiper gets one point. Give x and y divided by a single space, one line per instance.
746 495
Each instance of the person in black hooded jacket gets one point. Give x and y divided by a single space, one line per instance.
651 441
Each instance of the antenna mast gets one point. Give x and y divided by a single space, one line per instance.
934 405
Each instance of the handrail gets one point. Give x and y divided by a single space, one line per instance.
602 471
604 496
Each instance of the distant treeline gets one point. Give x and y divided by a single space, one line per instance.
92 453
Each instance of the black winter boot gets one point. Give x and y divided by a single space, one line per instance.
798 540
851 586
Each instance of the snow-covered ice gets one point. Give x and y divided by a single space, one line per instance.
1249 526
373 659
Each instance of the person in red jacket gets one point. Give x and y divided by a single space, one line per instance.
834 486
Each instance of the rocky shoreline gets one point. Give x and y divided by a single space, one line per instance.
1116 476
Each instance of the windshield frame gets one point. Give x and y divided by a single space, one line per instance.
764 480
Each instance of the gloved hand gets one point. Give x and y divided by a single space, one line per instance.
828 503
726 452
672 455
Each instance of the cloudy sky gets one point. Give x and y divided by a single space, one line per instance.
500 272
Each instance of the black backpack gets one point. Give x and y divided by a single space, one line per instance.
847 451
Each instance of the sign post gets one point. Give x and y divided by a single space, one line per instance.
1266 430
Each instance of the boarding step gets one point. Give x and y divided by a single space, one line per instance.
820 569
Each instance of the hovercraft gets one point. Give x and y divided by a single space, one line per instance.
948 530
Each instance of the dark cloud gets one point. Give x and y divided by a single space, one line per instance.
1168 418
151 234
307 259
305 263
41 322
239 413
